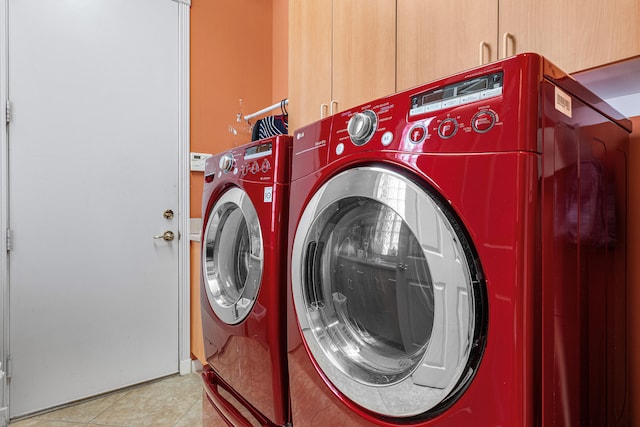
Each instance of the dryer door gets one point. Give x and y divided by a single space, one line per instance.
232 256
388 293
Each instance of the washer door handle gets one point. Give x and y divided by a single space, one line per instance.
167 236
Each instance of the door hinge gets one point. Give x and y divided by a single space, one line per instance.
9 239
8 367
7 111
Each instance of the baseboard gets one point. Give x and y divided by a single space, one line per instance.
185 367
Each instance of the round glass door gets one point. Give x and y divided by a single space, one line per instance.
388 297
232 256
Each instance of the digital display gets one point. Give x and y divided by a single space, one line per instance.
258 150
458 93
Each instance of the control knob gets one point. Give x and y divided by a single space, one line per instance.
361 127
227 162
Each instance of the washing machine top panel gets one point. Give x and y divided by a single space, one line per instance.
494 108
266 160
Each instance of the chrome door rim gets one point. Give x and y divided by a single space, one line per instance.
231 309
409 395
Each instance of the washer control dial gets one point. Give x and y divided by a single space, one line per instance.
227 162
448 128
362 126
417 134
483 121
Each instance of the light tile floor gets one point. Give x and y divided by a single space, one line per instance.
174 401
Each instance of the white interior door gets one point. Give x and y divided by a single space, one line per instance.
93 164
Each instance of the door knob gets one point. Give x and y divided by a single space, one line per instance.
168 214
167 235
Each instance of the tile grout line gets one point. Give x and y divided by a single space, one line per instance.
185 413
109 407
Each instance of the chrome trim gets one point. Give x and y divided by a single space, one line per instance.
231 301
441 366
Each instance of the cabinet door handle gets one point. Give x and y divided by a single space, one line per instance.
484 47
323 109
331 110
505 45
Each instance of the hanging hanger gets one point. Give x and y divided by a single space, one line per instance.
242 126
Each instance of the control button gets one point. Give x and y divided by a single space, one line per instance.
417 134
266 165
362 126
483 121
227 162
387 138
448 128
244 169
340 149
255 168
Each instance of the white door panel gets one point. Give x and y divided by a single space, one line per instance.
93 158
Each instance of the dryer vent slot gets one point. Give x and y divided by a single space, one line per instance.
313 292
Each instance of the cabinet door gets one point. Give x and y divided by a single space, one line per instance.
574 36
310 23
364 45
437 38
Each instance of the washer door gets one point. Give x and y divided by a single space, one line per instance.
387 293
232 256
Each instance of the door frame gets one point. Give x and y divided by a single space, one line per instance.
4 209
184 351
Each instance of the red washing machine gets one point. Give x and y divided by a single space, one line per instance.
243 282
458 256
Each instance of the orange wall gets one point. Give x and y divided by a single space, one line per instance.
231 59
633 278
238 51
197 338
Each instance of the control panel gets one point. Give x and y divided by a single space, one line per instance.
423 119
257 159
446 128
254 162
485 110
453 95
198 161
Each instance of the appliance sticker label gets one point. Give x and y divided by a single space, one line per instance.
563 102
268 194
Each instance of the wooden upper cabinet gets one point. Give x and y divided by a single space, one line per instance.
574 36
341 53
438 38
364 51
310 23
346 52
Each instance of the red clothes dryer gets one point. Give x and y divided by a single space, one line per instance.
458 256
243 282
